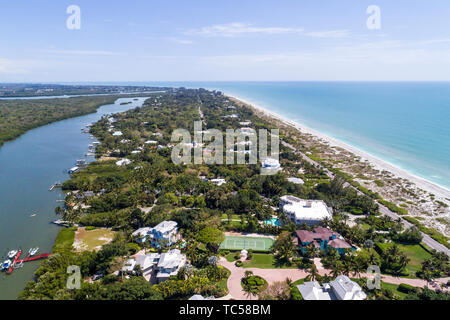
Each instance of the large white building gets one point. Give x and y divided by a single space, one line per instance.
342 288
300 211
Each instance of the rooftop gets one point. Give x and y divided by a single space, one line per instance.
307 209
170 259
165 226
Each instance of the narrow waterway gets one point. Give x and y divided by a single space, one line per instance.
29 165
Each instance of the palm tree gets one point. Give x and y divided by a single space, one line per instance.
313 272
358 267
336 269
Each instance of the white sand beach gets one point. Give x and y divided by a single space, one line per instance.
440 192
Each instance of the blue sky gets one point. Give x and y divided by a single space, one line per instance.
198 40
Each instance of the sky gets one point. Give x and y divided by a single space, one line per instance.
204 40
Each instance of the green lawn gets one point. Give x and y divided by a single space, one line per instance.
233 216
264 261
295 293
64 240
230 256
394 289
222 284
417 254
298 282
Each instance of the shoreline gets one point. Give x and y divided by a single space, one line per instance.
379 164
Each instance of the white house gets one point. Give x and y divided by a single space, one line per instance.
270 166
346 289
218 182
151 142
166 230
342 288
295 180
148 263
123 162
301 211
117 133
312 290
141 234
169 264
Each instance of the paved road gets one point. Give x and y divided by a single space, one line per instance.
383 209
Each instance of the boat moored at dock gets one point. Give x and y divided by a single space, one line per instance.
11 254
73 170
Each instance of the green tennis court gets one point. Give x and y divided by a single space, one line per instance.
241 242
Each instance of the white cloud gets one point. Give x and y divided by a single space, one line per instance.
238 28
336 34
83 52
9 66
180 41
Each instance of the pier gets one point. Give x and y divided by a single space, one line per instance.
55 185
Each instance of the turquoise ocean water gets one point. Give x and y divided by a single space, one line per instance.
404 123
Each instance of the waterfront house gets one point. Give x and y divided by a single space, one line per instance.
342 288
300 211
166 231
321 238
169 264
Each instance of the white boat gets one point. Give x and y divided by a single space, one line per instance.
12 253
33 251
6 264
73 170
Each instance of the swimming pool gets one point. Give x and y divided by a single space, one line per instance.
273 222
